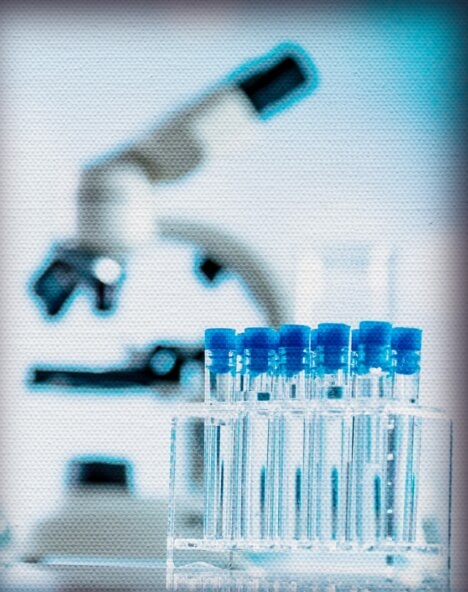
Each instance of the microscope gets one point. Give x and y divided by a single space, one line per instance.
118 215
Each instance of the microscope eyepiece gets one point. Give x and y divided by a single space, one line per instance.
270 86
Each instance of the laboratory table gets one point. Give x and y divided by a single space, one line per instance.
129 577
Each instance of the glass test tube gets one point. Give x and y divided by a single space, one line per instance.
406 346
350 498
220 382
239 430
311 443
332 463
369 460
293 386
260 441
405 435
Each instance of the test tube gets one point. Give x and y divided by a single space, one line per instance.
350 498
370 446
294 362
220 365
260 446
220 382
374 361
404 436
239 435
293 386
333 356
406 346
311 444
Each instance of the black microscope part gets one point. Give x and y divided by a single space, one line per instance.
92 473
210 269
110 379
72 268
150 372
55 285
270 86
105 296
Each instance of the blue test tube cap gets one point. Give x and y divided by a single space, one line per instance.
406 338
221 342
294 336
407 341
333 335
293 341
375 333
260 341
374 344
334 340
261 338
220 339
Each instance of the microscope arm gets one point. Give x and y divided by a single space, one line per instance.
116 199
115 196
237 256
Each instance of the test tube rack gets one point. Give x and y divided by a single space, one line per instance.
311 484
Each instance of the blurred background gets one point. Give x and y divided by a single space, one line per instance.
351 196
